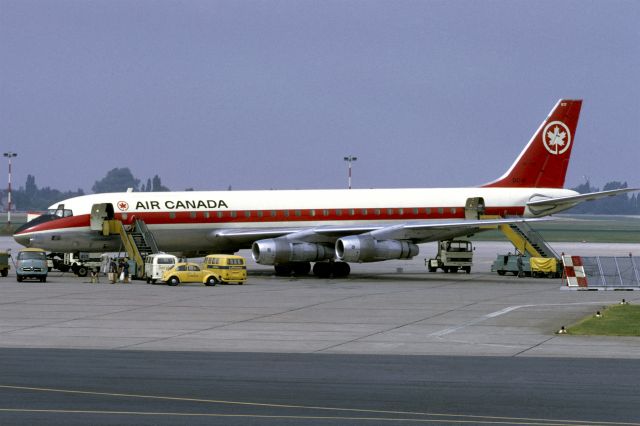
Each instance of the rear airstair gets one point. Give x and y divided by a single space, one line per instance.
526 240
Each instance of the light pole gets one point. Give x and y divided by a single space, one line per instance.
350 159
9 155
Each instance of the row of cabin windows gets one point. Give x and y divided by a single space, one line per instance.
312 213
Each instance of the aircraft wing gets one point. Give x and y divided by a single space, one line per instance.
420 232
545 203
417 232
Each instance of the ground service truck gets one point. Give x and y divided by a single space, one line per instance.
453 255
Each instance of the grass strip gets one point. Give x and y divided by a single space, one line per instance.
616 320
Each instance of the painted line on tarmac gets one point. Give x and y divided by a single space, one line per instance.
435 417
282 417
504 311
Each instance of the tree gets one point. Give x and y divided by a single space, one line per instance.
30 187
635 204
619 204
32 198
116 180
157 185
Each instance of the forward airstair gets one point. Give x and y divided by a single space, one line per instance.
137 241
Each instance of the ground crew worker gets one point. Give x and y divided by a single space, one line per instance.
120 270
113 269
519 263
125 269
94 276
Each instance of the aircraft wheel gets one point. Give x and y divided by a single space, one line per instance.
301 268
341 269
282 270
173 281
211 281
322 269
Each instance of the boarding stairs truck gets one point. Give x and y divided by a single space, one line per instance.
527 240
453 255
538 258
137 241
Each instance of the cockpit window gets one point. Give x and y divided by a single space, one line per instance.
60 211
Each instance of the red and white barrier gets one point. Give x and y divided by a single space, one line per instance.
574 271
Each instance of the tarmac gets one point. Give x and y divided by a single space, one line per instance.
387 308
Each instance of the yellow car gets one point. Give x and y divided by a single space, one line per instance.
185 272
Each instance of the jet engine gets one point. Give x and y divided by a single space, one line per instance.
277 251
357 248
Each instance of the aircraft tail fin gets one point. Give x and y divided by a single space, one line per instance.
543 162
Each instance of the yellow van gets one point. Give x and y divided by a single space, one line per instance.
227 268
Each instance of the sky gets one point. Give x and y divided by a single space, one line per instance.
274 94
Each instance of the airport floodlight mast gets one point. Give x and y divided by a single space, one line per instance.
9 155
350 159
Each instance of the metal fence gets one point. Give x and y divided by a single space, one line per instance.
612 272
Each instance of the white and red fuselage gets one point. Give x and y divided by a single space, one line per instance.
192 221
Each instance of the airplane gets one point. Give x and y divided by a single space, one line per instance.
290 229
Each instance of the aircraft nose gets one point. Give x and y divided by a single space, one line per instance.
22 239
25 235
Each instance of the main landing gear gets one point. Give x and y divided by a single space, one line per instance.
331 269
298 269
320 269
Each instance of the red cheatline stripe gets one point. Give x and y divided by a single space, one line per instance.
291 215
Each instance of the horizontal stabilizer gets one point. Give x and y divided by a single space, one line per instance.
575 199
